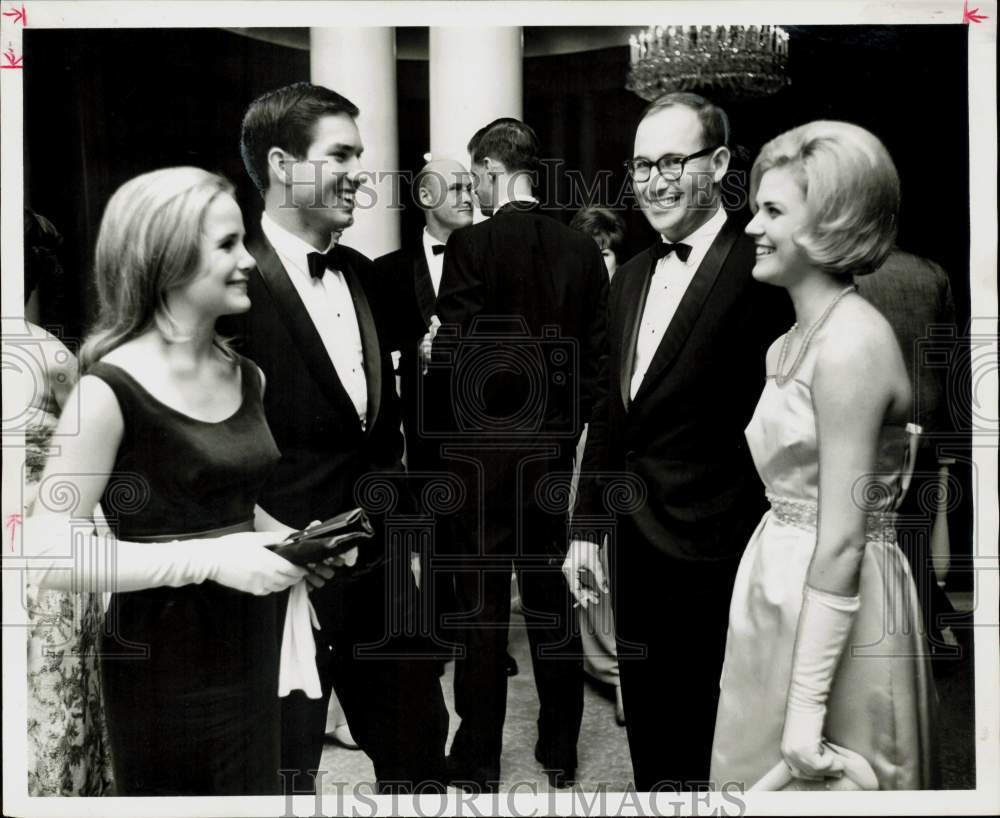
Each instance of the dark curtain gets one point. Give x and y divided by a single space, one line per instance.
102 106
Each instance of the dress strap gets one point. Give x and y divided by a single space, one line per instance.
251 375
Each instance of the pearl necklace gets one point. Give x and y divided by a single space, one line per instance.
782 379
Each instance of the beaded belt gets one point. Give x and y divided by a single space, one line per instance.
879 525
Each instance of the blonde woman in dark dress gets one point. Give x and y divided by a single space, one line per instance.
173 443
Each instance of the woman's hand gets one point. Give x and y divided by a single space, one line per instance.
242 561
805 754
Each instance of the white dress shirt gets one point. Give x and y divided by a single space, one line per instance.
331 308
435 263
670 281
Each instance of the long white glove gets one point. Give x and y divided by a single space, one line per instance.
75 559
824 626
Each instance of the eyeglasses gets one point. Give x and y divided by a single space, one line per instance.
670 167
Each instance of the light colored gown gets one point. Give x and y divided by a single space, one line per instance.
882 700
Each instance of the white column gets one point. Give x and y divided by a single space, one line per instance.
360 64
475 77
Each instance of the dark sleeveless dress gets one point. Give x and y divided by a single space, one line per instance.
190 674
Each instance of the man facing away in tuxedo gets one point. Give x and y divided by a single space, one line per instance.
409 279
519 358
315 329
688 330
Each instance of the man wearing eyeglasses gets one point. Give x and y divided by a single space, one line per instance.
689 329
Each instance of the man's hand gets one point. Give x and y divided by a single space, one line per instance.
426 343
322 572
584 572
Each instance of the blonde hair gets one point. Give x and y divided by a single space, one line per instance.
851 189
149 242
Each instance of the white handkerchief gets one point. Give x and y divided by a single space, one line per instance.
297 668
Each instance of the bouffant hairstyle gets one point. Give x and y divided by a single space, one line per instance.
851 189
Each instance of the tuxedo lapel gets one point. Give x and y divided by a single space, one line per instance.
369 344
633 300
691 305
301 328
423 285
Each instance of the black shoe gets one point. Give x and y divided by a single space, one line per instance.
560 777
510 665
473 781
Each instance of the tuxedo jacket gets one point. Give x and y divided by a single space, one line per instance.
914 295
682 435
406 290
521 355
326 454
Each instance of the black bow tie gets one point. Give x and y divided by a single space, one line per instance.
437 249
665 248
319 262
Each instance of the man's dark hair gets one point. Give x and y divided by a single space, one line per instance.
602 225
284 118
714 122
507 140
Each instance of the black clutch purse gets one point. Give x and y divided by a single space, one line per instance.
332 537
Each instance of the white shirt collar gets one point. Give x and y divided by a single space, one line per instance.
702 238
287 244
429 240
517 197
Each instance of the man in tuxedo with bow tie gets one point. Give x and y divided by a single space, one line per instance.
689 329
316 331
409 279
519 358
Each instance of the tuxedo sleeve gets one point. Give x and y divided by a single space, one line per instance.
386 444
594 391
461 297
403 325
463 292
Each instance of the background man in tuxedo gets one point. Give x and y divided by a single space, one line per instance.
410 278
519 357
689 329
914 295
331 403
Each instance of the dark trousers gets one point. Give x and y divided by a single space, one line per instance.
671 617
915 524
386 681
482 585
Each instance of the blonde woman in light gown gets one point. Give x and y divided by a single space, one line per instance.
824 645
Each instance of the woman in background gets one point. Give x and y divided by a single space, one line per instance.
606 228
67 745
824 646
173 442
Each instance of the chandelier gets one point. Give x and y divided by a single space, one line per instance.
748 60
